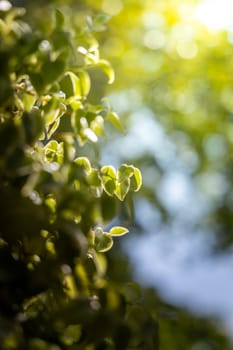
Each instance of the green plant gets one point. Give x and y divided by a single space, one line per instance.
55 199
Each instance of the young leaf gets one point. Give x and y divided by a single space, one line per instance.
118 231
28 101
54 151
85 82
93 178
83 161
122 189
107 69
115 120
108 175
70 85
103 243
124 172
136 180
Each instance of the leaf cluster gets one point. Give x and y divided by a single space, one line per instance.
53 288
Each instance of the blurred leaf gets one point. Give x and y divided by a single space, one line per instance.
33 125
85 82
107 69
136 180
125 172
118 231
60 19
83 161
122 189
108 175
115 120
70 85
103 243
93 178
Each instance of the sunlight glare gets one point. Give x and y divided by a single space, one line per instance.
215 14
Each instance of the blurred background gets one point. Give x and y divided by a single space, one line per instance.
173 89
173 61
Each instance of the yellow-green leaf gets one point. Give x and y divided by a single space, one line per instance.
118 231
70 85
115 120
85 82
107 69
136 180
122 189
108 175
84 162
103 243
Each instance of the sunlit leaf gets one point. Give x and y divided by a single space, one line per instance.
118 231
122 189
85 82
97 125
108 175
103 243
54 151
124 172
53 127
107 69
70 85
115 120
93 178
83 161
136 180
28 100
90 135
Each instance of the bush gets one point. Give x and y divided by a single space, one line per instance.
55 198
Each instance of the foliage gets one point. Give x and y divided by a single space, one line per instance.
57 288
54 294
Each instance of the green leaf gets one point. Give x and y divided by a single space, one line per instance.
70 85
85 82
84 162
136 180
107 69
97 125
52 70
53 127
75 119
115 120
54 151
98 24
89 22
124 172
103 243
60 19
33 125
28 100
74 102
122 189
90 135
108 175
101 18
93 178
118 231
51 109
